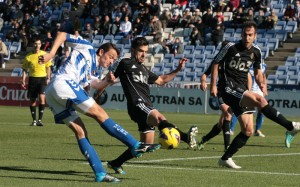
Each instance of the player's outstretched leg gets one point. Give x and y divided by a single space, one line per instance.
140 148
290 135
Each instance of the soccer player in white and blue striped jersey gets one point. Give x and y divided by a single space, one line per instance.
66 94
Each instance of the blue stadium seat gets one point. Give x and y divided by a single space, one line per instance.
272 79
281 35
168 58
199 49
17 72
188 49
293 80
118 39
264 52
209 49
229 32
290 61
270 34
158 67
282 79
291 26
179 77
56 15
189 76
15 47
199 58
262 42
277 8
200 67
186 33
209 59
66 5
177 58
280 25
189 67
158 58
273 44
189 57
281 70
260 33
292 70
168 67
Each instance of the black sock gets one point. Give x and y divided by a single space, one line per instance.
126 155
226 133
33 112
277 117
238 142
212 133
41 111
183 136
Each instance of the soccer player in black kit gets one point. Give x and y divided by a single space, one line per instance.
135 79
232 65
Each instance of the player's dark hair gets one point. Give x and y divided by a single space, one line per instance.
107 46
138 42
249 24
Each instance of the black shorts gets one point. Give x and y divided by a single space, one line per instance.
232 95
139 114
36 86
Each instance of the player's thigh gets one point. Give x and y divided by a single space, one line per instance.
246 123
140 114
252 99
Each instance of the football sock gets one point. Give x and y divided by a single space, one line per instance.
33 112
238 142
259 120
115 130
90 154
164 123
233 122
41 111
212 133
126 155
277 117
226 133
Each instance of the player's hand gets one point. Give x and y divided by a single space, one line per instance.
45 58
203 85
23 85
213 91
181 64
110 77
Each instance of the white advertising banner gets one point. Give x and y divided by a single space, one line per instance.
196 101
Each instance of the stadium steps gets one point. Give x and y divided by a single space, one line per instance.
288 49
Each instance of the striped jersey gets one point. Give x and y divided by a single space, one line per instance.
81 62
235 62
255 86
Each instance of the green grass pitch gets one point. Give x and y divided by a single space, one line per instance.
49 155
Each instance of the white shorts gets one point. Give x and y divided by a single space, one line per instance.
259 92
64 97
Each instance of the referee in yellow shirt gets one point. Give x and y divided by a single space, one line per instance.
39 77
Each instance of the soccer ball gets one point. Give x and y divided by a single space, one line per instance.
169 138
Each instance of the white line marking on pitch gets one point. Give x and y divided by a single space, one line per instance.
214 170
210 157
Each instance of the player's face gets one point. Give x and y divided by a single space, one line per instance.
141 53
248 36
105 59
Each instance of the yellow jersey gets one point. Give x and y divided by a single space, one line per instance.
35 69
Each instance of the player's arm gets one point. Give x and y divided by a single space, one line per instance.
249 81
260 80
213 81
266 85
59 40
23 80
163 79
203 85
100 85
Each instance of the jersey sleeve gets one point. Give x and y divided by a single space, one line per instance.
119 68
78 43
25 64
223 51
258 59
152 77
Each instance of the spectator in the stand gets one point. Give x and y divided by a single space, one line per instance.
77 24
218 20
235 4
195 18
208 20
48 42
217 35
116 25
186 18
264 5
95 11
174 21
297 8
259 19
289 13
105 26
165 46
3 52
250 15
154 8
125 27
17 14
125 12
274 17
137 27
88 32
165 18
27 20
127 7
181 4
177 47
156 28
195 37
269 23
23 34
145 18
238 17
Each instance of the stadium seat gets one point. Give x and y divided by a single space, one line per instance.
290 61
149 61
280 25
274 2
261 33
281 70
108 38
168 30
158 67
168 67
264 52
120 47
209 50
167 6
66 5
282 79
293 80
189 76
186 33
56 15
272 79
281 35
178 32
262 42
209 59
291 26
118 39
199 58
150 39
199 49
168 58
179 77
188 49
230 39
126 48
189 67
273 44
158 58
229 32
200 67
17 72
277 8
292 70
189 57
98 37
270 34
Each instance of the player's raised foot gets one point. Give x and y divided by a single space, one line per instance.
259 134
33 123
118 170
140 148
228 163
104 177
192 133
39 123
290 135
201 144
